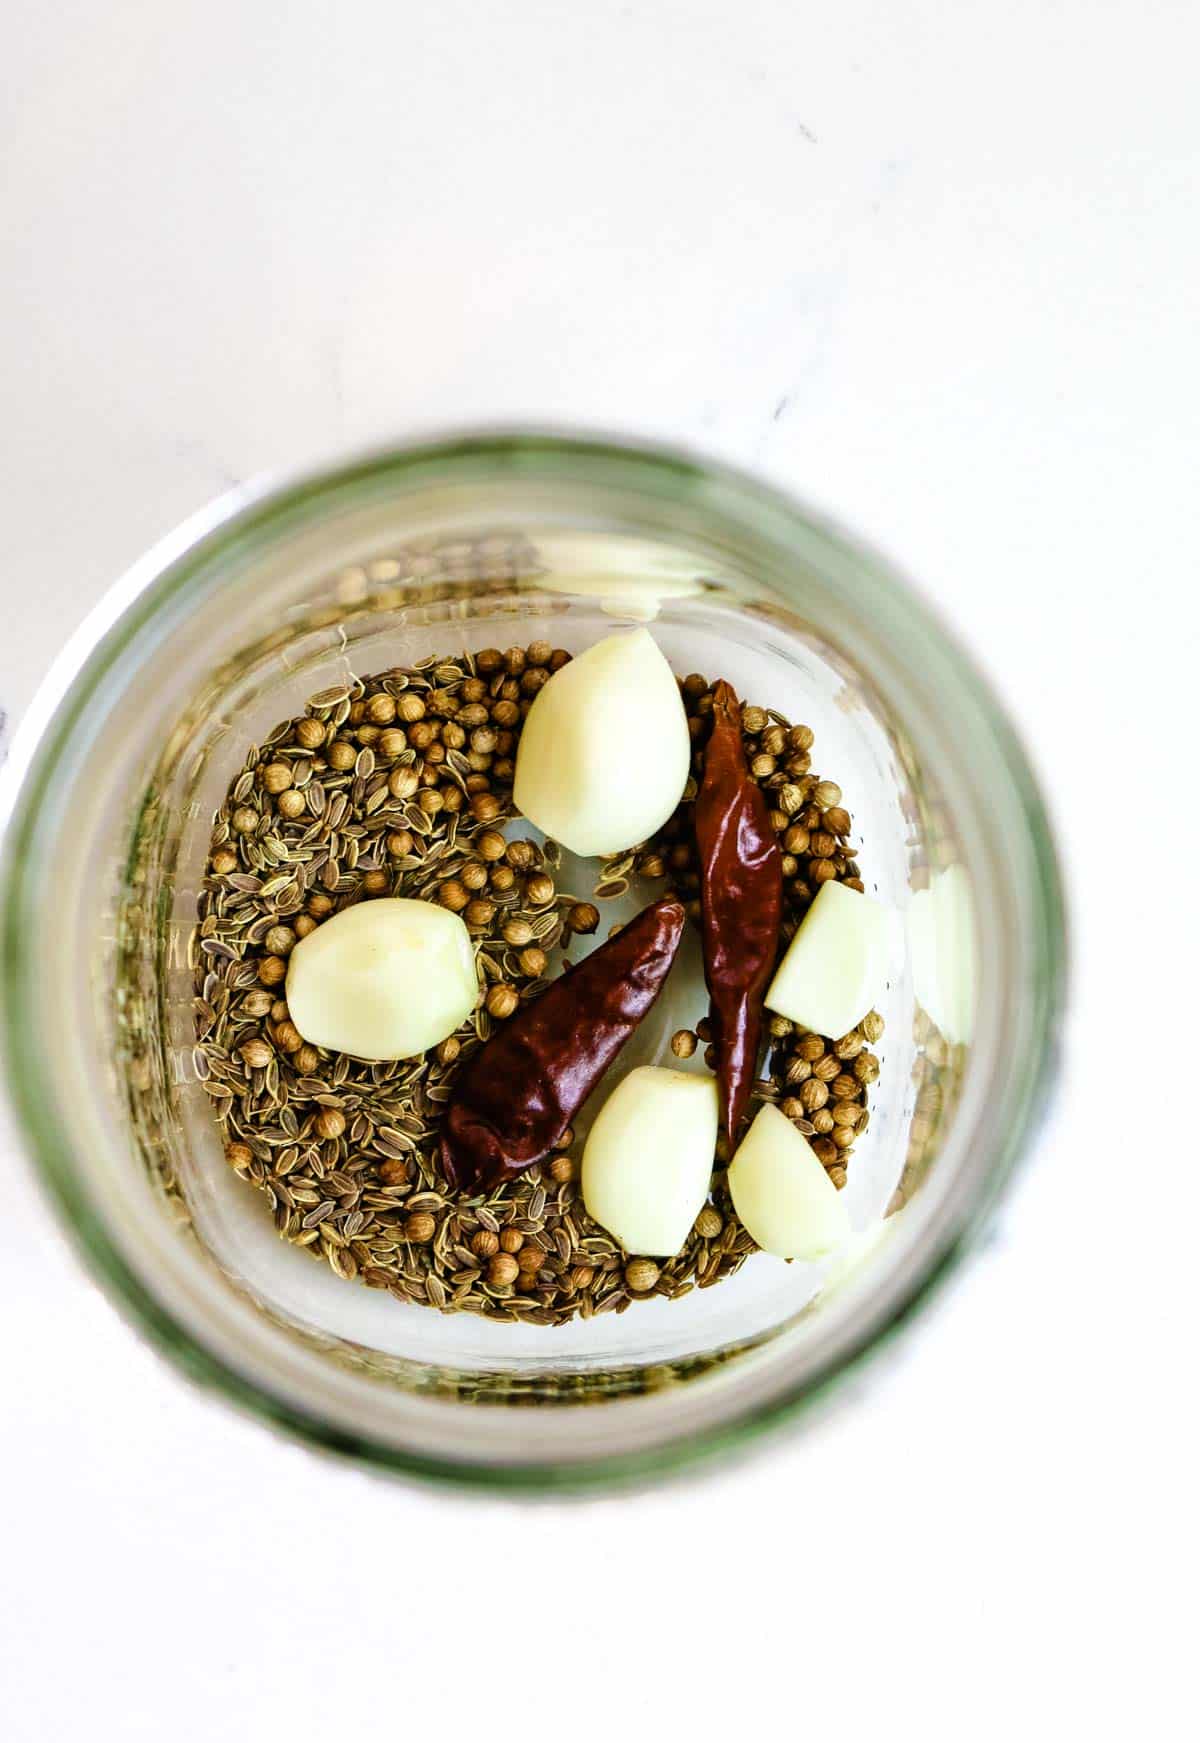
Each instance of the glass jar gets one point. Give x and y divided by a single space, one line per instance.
226 628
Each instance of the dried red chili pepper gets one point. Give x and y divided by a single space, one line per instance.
517 1096
741 903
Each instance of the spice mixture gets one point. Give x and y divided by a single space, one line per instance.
399 785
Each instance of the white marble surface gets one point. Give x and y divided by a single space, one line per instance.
934 266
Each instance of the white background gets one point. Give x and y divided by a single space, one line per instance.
935 266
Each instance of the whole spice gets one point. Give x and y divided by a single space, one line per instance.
515 1097
741 897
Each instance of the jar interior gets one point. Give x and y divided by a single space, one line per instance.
434 597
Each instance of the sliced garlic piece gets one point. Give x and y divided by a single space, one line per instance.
782 1195
604 755
836 966
383 980
648 1158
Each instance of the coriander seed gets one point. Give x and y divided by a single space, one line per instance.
491 845
419 1227
224 861
709 1223
272 970
329 1123
244 820
277 777
479 913
485 1244
518 933
533 961
641 1275
403 782
290 804
582 916
502 1271
683 1043
540 891
257 1055
309 734
502 1000
341 754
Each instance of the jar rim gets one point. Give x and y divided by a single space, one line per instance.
261 512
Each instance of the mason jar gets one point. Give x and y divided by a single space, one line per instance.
226 628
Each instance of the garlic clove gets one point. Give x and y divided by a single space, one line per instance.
605 754
781 1193
385 979
648 1159
836 966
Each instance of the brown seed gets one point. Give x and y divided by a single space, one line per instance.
822 1120
505 713
502 1271
813 1094
800 737
290 804
403 782
244 820
710 1057
376 883
435 755
430 801
474 875
392 742
288 1038
393 1171
843 1136
272 970
485 807
483 739
709 1223
398 843
381 709
793 1108
503 878
582 1277
641 1275
651 866
320 904
447 1051
341 754
850 1046
518 933
530 1258
838 1176
277 777
838 820
565 1138
239 1155
479 913
826 1068
489 660
683 1043
539 653
811 1047
798 1071
303 924
422 734
533 961
866 1068
224 861
704 1029
822 845
484 1244
409 708
583 917
257 1004
310 734
502 1000
279 1011
827 794
762 767
532 680
561 1169
872 1026
845 1088
514 660
257 1055
419 1227
791 797
329 1123
825 1150
521 854
774 739
753 719
306 1059
558 659
540 890
845 1113
491 845
796 839
821 870
453 736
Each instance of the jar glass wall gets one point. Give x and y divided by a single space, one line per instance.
225 630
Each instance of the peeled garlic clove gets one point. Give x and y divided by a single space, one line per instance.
782 1195
836 966
383 980
648 1158
604 755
